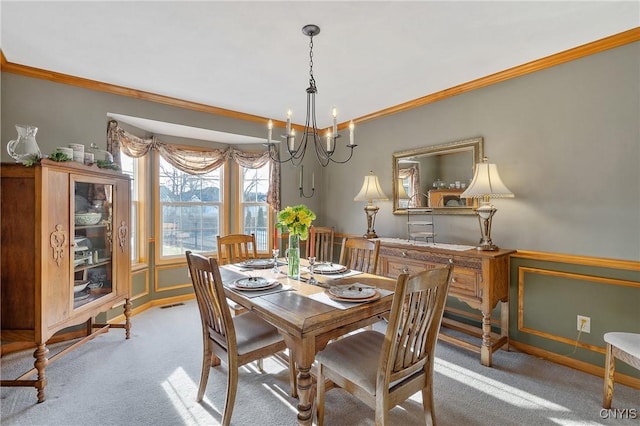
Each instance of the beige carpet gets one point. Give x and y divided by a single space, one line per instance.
152 379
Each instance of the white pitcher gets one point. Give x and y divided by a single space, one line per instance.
25 147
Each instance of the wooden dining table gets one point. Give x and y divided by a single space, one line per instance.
307 325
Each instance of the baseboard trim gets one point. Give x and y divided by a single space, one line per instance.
573 363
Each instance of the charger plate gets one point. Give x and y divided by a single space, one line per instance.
353 291
254 284
371 298
328 268
258 263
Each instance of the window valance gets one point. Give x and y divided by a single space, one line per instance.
191 161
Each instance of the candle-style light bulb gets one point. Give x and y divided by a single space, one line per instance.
351 127
270 131
335 121
288 122
329 141
292 140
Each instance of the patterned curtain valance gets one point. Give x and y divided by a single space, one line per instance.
190 161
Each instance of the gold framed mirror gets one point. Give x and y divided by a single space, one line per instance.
435 176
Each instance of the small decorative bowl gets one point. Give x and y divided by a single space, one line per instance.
89 218
78 286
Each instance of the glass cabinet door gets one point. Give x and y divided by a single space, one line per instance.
93 267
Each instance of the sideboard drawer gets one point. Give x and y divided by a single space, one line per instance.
394 267
466 282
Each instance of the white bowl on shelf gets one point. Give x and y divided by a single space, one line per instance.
88 218
80 285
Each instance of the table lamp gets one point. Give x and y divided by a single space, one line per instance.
486 184
370 192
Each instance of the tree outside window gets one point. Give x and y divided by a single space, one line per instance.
254 207
190 207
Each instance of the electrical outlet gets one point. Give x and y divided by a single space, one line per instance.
584 324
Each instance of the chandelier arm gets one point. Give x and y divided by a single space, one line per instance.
348 158
276 158
323 158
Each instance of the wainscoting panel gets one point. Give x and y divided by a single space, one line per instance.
549 291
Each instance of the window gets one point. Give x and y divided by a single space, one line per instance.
190 210
255 212
134 167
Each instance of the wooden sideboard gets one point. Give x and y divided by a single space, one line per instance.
480 279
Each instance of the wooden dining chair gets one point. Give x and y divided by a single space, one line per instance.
238 340
625 347
383 370
321 242
360 254
234 248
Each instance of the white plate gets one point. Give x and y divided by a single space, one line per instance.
80 260
252 283
328 268
241 287
353 291
258 263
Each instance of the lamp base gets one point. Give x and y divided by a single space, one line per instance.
485 214
487 246
371 211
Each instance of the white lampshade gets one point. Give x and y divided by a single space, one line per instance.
402 193
486 183
370 190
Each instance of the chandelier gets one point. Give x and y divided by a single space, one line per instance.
310 135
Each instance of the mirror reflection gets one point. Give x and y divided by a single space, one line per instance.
435 177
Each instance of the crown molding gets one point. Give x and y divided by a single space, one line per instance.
588 49
27 71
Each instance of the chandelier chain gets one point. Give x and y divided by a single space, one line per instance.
312 81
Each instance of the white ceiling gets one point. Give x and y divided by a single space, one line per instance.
252 57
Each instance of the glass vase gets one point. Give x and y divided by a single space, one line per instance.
293 256
25 147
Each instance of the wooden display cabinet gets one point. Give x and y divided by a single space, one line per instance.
65 255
